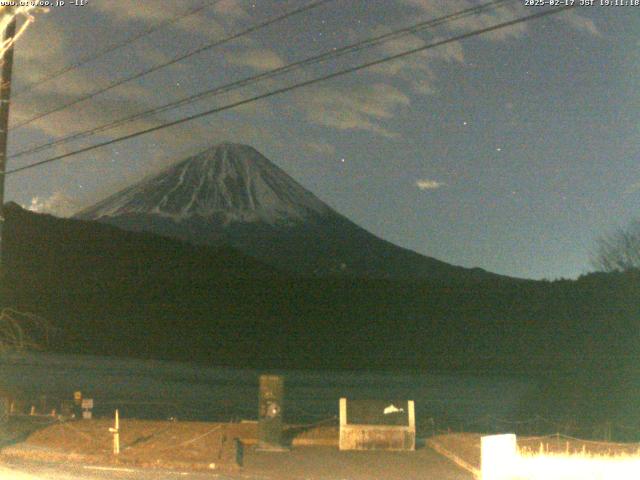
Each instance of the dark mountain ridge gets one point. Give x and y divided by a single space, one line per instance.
112 292
179 301
218 305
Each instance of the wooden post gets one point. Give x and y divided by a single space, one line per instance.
342 438
116 434
412 414
5 93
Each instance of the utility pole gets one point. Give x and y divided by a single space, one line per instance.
5 93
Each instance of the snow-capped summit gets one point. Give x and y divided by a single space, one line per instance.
232 195
229 182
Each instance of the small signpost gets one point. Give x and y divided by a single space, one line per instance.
87 406
270 413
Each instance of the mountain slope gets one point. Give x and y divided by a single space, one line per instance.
112 292
231 194
230 183
115 292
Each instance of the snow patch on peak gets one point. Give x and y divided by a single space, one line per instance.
231 182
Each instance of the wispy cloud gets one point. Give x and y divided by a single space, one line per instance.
437 8
151 13
128 100
42 51
426 184
321 148
58 204
416 70
342 109
580 23
230 9
358 108
260 59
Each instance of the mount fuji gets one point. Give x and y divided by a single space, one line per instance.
232 195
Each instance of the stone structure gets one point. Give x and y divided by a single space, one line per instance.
377 425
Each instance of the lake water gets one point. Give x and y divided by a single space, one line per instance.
157 389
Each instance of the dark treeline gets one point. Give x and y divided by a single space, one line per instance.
112 292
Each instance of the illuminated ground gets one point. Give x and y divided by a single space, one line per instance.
71 472
209 448
308 463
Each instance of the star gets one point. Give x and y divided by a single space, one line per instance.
342 160
464 123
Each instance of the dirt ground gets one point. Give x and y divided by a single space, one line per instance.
313 452
327 463
230 449
195 445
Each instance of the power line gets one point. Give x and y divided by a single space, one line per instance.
328 55
93 56
279 91
209 46
331 54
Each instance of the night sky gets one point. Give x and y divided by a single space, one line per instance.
512 151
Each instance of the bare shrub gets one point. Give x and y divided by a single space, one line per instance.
23 331
619 251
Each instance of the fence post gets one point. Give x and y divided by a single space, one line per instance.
116 434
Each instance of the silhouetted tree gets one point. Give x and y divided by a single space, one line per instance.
22 330
620 250
19 331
